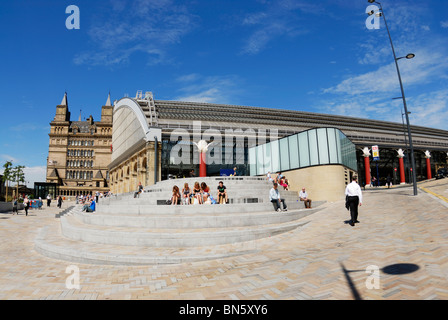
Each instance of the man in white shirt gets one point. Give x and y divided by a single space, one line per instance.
354 198
303 195
274 196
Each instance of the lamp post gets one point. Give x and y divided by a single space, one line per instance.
406 143
409 56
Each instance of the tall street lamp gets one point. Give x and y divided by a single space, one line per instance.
409 56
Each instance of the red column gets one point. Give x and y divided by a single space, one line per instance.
202 165
402 176
367 165
428 168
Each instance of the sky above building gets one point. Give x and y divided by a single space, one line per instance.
315 56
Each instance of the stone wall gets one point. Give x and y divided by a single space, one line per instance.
322 183
7 207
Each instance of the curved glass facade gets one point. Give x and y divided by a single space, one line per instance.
315 147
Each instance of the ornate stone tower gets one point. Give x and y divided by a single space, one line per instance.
79 151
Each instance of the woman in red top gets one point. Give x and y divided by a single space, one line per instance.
205 191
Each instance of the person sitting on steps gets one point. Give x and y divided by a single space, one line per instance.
222 193
89 208
197 193
186 192
303 195
139 190
205 191
274 197
176 196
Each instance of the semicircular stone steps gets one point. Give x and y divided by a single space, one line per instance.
241 191
192 221
130 231
52 244
74 229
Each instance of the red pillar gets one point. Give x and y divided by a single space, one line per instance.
202 165
402 176
428 168
367 166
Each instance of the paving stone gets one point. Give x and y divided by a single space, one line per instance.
309 263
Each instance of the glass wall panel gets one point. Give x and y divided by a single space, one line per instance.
314 153
275 151
313 147
338 145
260 160
332 146
293 152
304 149
323 146
267 158
284 155
252 162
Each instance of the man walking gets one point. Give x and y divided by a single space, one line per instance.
274 196
354 198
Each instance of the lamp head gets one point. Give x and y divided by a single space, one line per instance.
410 56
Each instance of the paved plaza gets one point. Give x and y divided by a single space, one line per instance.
405 237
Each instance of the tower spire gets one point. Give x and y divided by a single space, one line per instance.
108 104
64 100
80 111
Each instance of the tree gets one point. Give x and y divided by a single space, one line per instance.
18 176
7 176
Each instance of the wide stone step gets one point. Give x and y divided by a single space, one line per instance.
76 230
52 244
193 221
162 198
191 209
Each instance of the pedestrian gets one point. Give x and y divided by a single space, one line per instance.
388 181
353 195
59 202
40 203
15 206
26 203
48 200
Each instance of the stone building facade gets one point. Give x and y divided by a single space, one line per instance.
80 151
149 135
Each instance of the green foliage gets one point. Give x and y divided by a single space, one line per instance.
8 171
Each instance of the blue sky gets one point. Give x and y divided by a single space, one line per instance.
306 55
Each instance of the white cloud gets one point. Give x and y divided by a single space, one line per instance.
444 24
425 67
32 174
35 174
430 109
279 19
7 157
142 26
209 89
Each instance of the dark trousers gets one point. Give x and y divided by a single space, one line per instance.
26 209
276 204
353 203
